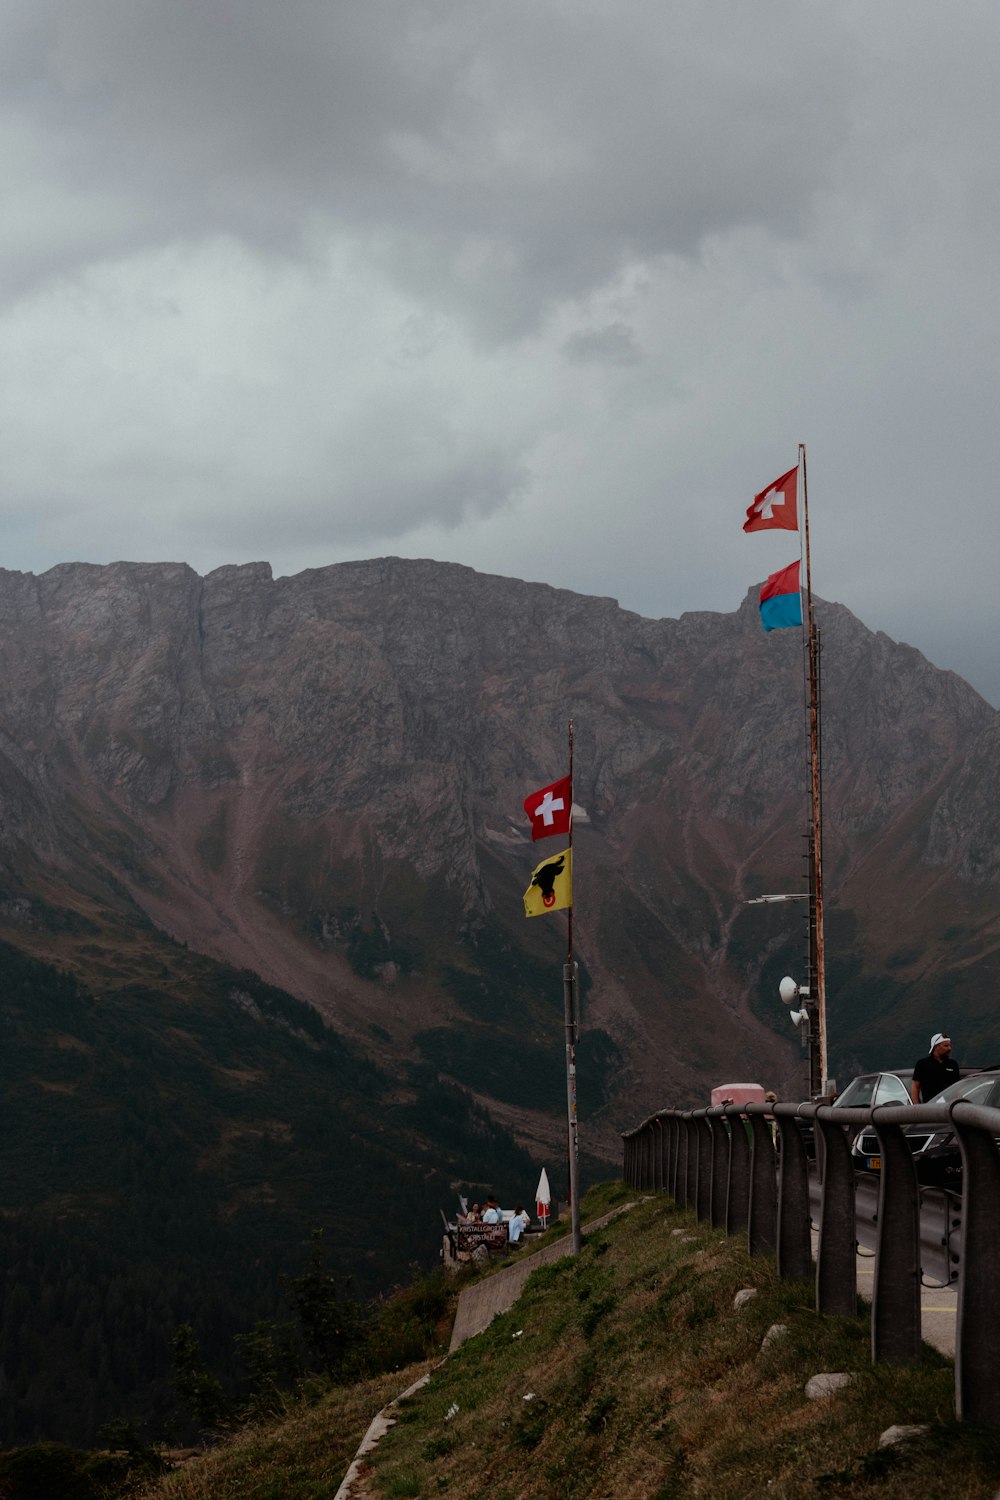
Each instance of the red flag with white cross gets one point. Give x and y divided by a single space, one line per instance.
549 808
776 508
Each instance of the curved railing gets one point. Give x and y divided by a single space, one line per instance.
745 1168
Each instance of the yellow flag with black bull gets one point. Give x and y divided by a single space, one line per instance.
551 886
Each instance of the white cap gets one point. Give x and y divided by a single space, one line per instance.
937 1038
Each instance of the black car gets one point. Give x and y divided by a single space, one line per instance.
936 1152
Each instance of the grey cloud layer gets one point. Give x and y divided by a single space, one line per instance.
534 144
547 288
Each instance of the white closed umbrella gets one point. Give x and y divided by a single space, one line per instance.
543 1198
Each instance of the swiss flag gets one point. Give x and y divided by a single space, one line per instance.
549 808
776 508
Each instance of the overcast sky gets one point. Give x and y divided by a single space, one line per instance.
547 287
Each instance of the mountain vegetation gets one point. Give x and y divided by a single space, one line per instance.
263 963
624 1372
628 1372
166 1155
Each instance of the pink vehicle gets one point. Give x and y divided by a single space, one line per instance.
738 1093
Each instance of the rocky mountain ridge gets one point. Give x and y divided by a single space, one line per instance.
319 778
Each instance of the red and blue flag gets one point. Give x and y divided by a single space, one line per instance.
780 599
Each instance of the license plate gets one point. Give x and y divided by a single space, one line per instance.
873 1163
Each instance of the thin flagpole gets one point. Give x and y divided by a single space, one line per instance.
569 1003
569 930
815 799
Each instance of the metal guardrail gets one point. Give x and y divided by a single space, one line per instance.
745 1168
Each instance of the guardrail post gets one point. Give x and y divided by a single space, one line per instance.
738 1185
762 1213
896 1293
703 1206
661 1154
691 1177
680 1196
977 1391
794 1214
720 1166
675 1152
836 1258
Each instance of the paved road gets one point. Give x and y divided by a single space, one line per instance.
940 1245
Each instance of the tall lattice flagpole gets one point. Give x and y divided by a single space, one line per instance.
815 800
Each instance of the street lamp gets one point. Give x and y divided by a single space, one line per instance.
781 896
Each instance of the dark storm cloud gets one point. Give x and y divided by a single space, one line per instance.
475 144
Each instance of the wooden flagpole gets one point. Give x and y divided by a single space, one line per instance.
816 805
570 1016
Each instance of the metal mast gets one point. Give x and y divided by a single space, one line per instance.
818 975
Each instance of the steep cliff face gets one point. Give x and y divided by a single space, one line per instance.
320 778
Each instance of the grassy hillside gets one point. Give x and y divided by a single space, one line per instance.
628 1373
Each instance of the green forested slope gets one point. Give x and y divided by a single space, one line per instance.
164 1156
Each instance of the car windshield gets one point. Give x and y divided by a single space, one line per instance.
873 1088
979 1089
858 1095
891 1090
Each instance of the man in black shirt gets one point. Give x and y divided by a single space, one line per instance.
934 1072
